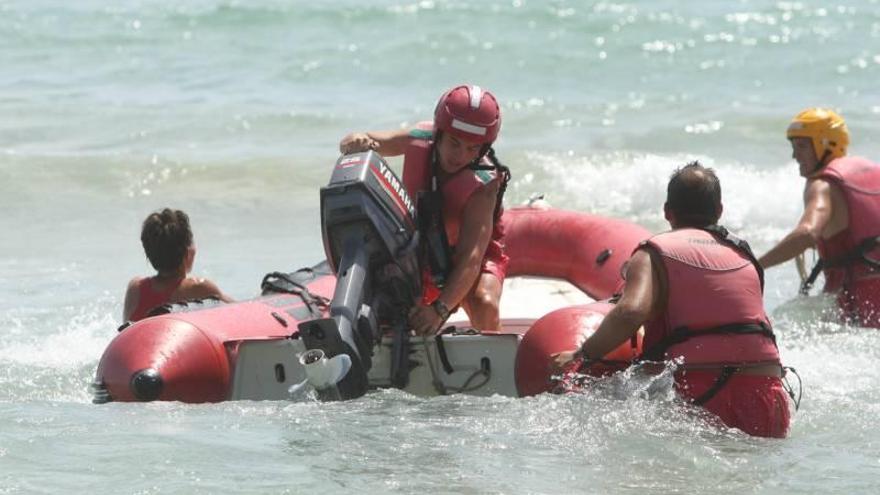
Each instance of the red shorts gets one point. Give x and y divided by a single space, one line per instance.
495 260
757 405
861 304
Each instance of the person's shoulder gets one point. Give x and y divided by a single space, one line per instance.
649 249
200 288
135 283
483 197
818 185
486 177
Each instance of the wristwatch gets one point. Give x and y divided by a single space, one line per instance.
441 309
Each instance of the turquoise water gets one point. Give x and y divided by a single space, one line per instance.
232 111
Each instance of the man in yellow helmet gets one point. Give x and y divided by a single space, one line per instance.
841 215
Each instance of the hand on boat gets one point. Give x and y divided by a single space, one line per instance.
357 142
424 320
562 360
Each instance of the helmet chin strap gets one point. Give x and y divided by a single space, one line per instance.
821 163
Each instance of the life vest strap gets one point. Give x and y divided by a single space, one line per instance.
724 236
720 382
859 254
681 334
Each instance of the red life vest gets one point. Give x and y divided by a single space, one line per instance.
456 191
149 298
844 266
715 304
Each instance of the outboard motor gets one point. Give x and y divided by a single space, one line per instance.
369 230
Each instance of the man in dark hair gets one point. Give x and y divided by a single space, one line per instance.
168 244
698 292
694 196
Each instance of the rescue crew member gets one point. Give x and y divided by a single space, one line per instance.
168 244
841 215
450 167
698 292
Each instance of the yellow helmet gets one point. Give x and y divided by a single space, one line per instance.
825 128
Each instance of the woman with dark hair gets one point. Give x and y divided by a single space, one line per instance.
451 169
168 244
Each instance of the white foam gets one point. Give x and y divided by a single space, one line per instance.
757 203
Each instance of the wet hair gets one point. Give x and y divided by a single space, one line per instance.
166 236
504 173
694 195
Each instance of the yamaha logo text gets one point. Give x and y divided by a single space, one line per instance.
398 188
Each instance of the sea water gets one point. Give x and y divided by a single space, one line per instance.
232 111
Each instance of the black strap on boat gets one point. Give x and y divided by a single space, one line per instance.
181 306
441 351
724 236
720 382
441 347
314 302
677 336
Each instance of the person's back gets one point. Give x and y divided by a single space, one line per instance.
714 325
168 244
698 291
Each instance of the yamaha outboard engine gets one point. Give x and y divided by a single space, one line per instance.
369 230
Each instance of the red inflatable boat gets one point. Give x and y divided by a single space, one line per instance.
560 261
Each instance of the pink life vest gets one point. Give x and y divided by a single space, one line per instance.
845 268
456 191
712 288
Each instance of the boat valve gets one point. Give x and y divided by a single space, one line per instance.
146 385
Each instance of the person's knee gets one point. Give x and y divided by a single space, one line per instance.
485 301
484 311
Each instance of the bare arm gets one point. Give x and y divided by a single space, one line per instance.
641 298
474 236
634 308
205 288
817 214
386 143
